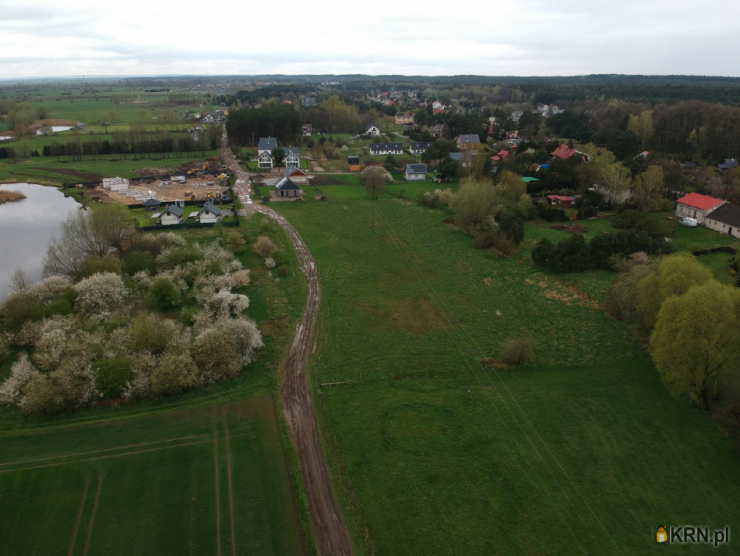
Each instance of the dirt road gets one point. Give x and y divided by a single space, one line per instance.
329 531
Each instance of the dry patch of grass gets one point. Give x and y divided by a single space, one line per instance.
11 196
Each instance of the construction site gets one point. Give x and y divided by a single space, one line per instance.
198 182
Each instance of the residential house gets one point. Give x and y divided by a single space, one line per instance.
195 133
438 130
503 154
415 172
287 189
564 152
625 195
309 101
306 130
513 143
377 149
292 158
265 161
467 141
695 205
728 164
296 175
372 129
209 214
561 201
266 144
456 156
516 115
419 148
438 107
169 216
689 165
725 219
354 163
407 118
152 204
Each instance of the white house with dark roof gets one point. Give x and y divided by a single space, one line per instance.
306 130
266 144
169 216
378 149
265 160
725 220
292 158
209 214
372 129
419 148
415 172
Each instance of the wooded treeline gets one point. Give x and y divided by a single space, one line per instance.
245 126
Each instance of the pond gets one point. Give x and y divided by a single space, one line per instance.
26 228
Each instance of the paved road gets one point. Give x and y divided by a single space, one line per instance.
329 530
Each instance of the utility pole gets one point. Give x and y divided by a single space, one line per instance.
372 216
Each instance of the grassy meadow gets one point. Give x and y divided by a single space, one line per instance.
581 451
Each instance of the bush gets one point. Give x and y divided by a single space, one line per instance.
542 251
570 255
639 221
134 261
512 226
234 242
19 309
264 246
149 333
163 293
96 264
112 375
100 294
518 350
178 256
174 373
215 353
550 213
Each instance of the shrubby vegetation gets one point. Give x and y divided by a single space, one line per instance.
125 315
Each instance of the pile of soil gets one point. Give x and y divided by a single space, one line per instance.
570 228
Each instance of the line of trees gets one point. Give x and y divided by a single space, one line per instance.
245 126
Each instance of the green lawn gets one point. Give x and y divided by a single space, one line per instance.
148 485
581 451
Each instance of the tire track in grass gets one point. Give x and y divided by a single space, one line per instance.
79 517
92 516
218 498
231 487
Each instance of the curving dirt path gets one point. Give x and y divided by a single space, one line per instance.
329 530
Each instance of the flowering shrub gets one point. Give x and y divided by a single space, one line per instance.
100 294
270 262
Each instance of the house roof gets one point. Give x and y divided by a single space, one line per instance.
267 143
286 184
416 168
210 207
386 147
293 172
353 160
307 127
172 209
267 154
728 164
419 146
152 203
563 151
528 180
368 126
456 156
290 150
560 198
469 138
727 214
702 202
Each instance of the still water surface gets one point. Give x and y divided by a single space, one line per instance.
26 228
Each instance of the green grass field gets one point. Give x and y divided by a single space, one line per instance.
199 481
581 451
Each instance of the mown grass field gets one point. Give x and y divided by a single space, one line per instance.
199 481
581 451
157 458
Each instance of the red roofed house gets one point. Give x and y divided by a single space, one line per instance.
561 200
503 154
563 151
697 206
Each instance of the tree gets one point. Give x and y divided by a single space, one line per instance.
730 183
163 293
264 246
448 169
642 126
279 155
389 163
649 187
676 275
374 179
19 280
696 339
616 178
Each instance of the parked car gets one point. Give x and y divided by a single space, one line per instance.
686 221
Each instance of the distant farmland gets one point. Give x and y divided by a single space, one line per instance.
201 481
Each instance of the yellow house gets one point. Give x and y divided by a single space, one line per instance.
661 535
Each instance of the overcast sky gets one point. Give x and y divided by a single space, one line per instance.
40 38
